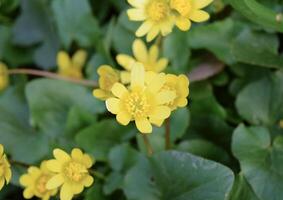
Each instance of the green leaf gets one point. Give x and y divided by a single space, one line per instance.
205 149
178 176
98 138
51 100
179 122
242 190
177 51
20 140
95 192
75 22
257 48
261 160
258 13
261 102
215 37
34 26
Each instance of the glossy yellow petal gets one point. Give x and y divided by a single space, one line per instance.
161 112
156 122
152 33
144 29
54 165
119 90
25 180
156 83
66 192
125 77
28 193
183 23
140 51
61 155
79 59
125 61
77 188
77 154
137 76
201 3
123 118
88 161
2 183
136 3
153 53
161 64
1 149
88 181
63 60
199 16
104 70
165 97
8 175
143 125
113 105
182 102
136 14
55 182
167 28
101 94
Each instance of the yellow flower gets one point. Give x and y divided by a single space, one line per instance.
189 10
4 76
149 58
35 182
281 123
179 85
71 172
156 14
144 104
71 67
108 77
5 169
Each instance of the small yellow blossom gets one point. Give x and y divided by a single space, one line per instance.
189 10
35 182
281 123
107 78
156 14
179 85
71 67
142 103
149 58
4 76
71 172
5 169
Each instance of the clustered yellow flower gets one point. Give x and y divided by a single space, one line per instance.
160 16
4 76
35 182
71 67
5 169
71 172
141 93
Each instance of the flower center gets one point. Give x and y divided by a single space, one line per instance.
137 104
158 10
182 6
75 171
41 183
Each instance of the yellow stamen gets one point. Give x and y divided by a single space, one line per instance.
41 183
137 104
158 10
75 171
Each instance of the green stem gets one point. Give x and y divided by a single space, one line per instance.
167 134
51 75
148 145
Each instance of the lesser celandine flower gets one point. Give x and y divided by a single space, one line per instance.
149 58
179 85
71 67
107 78
5 170
189 10
4 76
156 14
144 104
71 172
35 182
281 123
